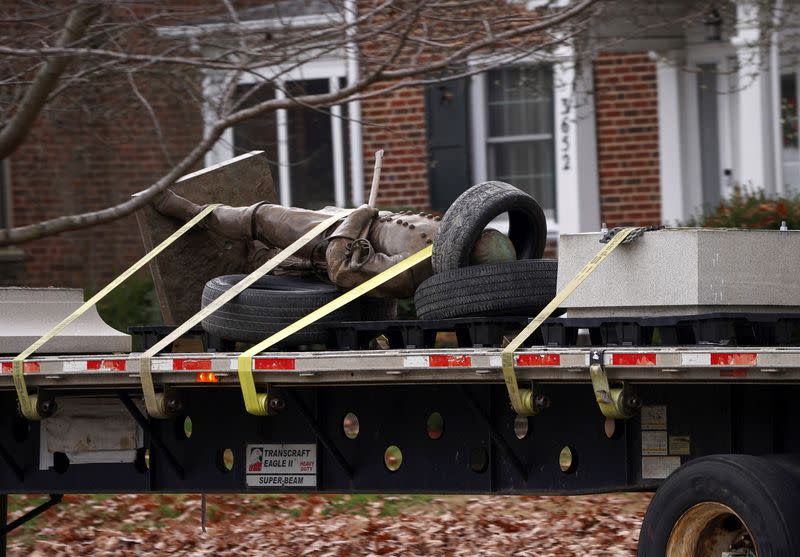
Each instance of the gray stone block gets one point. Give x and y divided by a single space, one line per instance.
182 270
685 271
29 313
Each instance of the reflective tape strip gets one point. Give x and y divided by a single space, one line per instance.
415 361
536 360
255 403
161 364
30 367
113 365
737 359
696 359
282 364
437 360
148 388
509 375
94 365
633 360
182 364
447 360
27 406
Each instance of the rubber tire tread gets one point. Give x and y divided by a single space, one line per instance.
260 311
762 493
465 220
513 288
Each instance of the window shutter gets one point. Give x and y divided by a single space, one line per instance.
446 114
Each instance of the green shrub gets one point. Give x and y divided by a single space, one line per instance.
132 303
751 209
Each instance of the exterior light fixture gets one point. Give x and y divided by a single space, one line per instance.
712 26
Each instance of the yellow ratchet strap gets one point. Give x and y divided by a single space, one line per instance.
257 403
29 403
156 402
522 399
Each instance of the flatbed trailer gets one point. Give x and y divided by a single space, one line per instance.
708 424
409 420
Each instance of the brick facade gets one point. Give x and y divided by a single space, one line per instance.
76 161
626 105
396 122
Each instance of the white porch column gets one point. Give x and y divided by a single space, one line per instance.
577 190
669 142
755 139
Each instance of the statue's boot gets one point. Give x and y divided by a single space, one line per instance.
173 205
235 223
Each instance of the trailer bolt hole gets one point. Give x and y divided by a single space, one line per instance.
393 458
478 460
225 460
435 426
60 462
521 426
610 428
350 425
568 460
142 460
186 428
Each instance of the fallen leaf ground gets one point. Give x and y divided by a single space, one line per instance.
344 525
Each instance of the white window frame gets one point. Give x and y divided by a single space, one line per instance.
574 137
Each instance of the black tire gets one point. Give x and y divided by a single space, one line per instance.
468 216
269 305
761 493
513 288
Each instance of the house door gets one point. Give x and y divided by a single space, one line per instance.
446 108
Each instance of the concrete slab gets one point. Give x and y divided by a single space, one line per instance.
181 272
28 313
685 271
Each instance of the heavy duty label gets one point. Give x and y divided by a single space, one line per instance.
282 465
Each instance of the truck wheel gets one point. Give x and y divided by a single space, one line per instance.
720 504
269 305
513 288
467 217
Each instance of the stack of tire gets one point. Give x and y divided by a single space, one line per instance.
274 302
514 288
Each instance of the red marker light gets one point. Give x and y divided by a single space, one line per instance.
207 377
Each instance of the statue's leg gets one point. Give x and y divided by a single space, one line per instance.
230 222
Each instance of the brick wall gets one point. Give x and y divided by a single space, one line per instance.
396 122
79 160
627 139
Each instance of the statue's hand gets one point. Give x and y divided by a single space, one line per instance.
365 212
354 224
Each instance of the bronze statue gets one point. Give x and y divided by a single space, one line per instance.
363 244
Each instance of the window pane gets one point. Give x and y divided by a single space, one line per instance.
789 127
520 101
527 165
311 149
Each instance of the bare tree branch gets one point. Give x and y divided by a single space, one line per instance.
18 126
132 49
